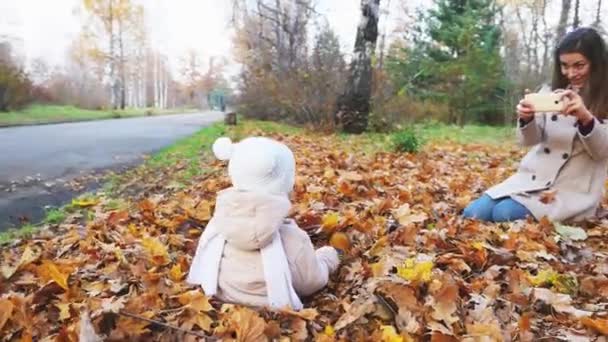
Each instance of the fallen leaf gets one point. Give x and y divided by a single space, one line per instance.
50 271
597 324
249 326
413 270
196 300
176 273
156 250
6 311
330 221
389 334
572 233
405 216
28 256
340 241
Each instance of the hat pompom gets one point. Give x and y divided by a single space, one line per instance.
223 148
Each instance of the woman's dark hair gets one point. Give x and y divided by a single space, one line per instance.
590 44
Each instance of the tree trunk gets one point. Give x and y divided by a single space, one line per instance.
598 22
563 19
577 21
354 104
123 79
113 96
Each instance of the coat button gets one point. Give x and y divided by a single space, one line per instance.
565 156
533 177
548 183
547 150
554 117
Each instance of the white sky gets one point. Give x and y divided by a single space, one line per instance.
47 27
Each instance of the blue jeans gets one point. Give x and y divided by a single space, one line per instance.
487 209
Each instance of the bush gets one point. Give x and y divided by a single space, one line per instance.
15 88
406 141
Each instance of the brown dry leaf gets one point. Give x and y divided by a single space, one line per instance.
29 255
307 314
6 311
357 309
50 271
157 251
405 216
196 300
249 326
597 324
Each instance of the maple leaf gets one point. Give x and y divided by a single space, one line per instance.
176 273
405 216
50 271
597 324
6 311
330 221
248 325
414 270
196 300
29 255
156 250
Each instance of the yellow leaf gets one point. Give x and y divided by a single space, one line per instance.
27 257
329 331
415 271
176 273
64 311
248 324
330 221
560 282
597 324
49 271
378 269
340 241
478 245
389 334
195 300
156 250
203 321
6 311
85 202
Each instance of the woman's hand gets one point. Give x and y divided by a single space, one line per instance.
525 110
575 106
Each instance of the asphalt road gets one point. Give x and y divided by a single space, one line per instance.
33 157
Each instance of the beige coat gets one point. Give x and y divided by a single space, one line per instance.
248 222
561 160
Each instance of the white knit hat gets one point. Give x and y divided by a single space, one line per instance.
258 164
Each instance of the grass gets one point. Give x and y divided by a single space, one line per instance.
39 114
17 233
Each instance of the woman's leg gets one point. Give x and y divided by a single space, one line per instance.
481 208
509 210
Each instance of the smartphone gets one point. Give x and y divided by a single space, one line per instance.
545 102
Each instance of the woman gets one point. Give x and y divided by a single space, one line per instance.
562 177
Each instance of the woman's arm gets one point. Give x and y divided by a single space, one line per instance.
532 132
595 139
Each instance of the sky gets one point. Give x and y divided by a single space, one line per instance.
46 28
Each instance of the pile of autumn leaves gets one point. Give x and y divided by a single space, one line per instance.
414 269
